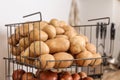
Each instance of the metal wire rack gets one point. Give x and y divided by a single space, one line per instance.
94 32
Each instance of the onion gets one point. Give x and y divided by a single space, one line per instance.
17 74
75 76
47 75
27 76
65 76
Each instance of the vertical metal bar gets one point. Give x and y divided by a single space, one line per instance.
90 34
30 42
6 70
88 68
13 66
101 70
11 38
85 31
76 68
8 67
79 30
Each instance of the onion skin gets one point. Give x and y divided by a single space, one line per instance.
75 76
17 74
65 76
47 75
27 76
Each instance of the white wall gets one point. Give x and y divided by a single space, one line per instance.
12 11
95 9
116 19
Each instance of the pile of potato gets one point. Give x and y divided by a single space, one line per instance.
55 44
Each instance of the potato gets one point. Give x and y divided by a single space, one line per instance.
62 24
68 28
58 45
70 34
16 50
91 47
24 42
24 29
69 31
37 35
85 37
14 39
25 60
28 53
40 25
63 56
59 30
50 30
54 22
44 62
77 44
84 55
96 62
39 48
61 36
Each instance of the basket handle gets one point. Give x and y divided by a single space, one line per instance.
34 14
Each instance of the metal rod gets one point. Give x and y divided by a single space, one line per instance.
34 14
10 25
108 18
63 60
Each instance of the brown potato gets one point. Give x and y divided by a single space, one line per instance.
27 53
84 55
63 56
91 47
59 30
70 31
54 22
77 44
62 24
39 48
24 42
38 35
44 62
16 50
25 60
61 36
24 29
85 37
68 28
40 25
50 30
96 62
58 45
14 39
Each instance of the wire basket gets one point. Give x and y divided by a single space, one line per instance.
12 63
